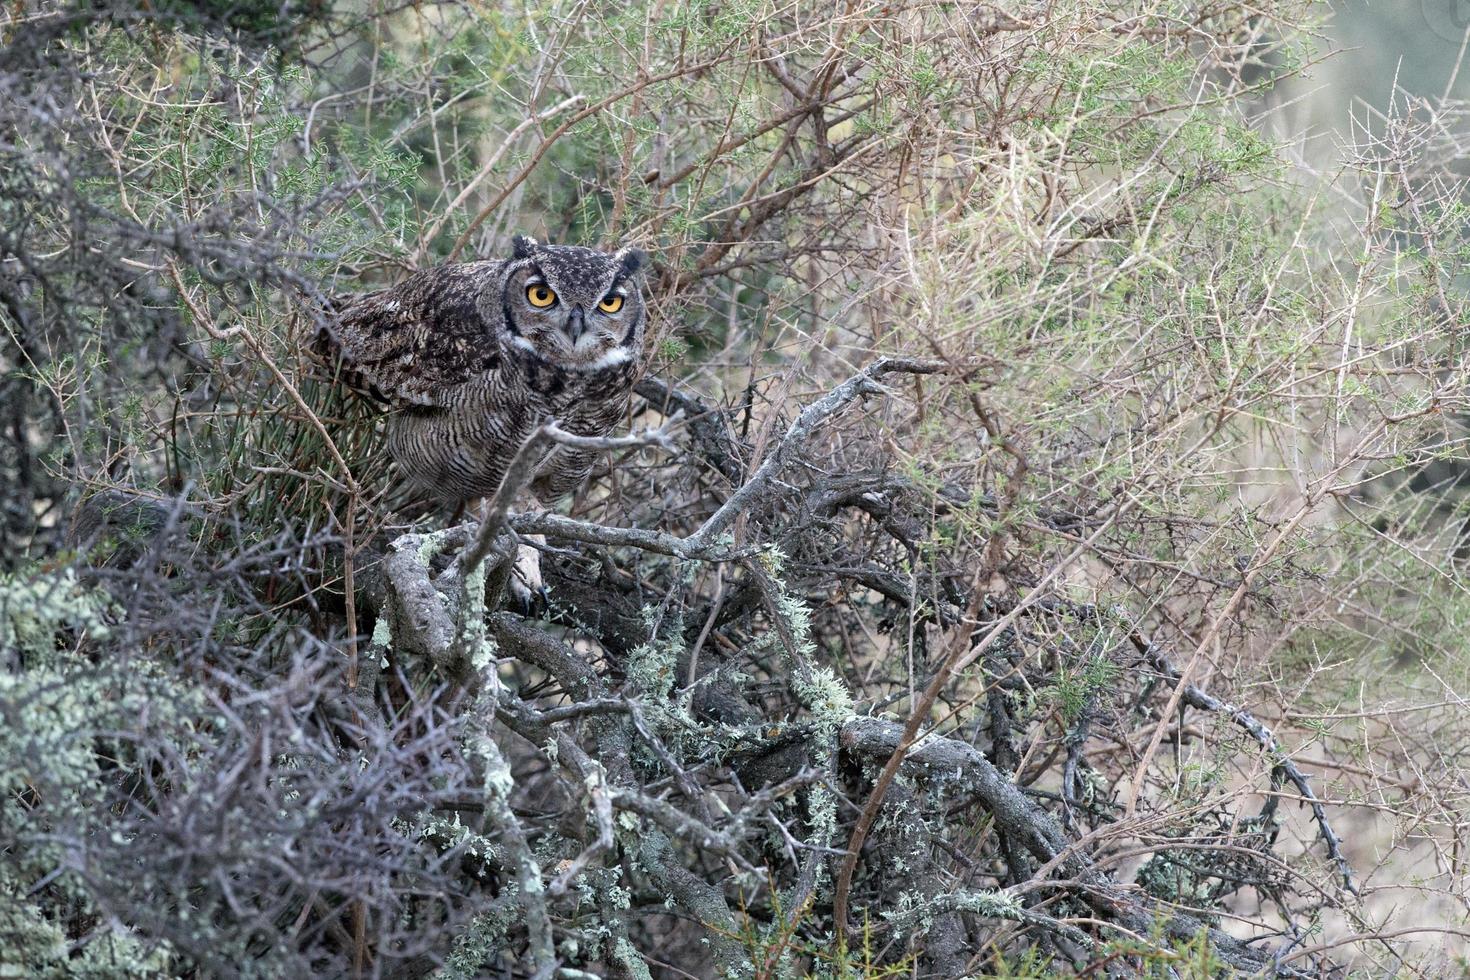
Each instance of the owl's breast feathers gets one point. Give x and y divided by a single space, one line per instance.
558 389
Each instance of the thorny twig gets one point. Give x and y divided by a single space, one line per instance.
1280 761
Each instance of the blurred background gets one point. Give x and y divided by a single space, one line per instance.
1369 52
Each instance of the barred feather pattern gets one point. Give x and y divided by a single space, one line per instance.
463 449
468 375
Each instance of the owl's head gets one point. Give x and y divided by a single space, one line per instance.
574 307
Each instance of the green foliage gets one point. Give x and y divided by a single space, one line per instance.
775 951
1075 688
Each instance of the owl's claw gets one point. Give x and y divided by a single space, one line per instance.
528 604
527 588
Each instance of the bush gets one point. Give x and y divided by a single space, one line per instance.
1055 554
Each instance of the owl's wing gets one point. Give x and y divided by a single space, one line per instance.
417 342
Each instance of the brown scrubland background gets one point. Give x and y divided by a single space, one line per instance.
1038 548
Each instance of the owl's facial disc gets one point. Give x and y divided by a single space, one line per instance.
575 307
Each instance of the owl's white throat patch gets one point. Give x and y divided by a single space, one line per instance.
614 357
611 358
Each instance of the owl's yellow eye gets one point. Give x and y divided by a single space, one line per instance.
540 295
611 303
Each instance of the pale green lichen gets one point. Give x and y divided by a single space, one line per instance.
822 692
35 609
56 714
773 560
819 689
451 833
477 944
652 667
30 940
117 954
798 617
629 959
474 636
382 634
36 949
586 885
498 779
821 807
53 717
429 544
618 897
598 893
918 913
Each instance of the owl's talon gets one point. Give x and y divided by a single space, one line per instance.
526 586
528 604
523 602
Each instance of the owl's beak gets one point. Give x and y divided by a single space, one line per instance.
576 324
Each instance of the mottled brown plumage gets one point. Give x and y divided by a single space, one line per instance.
471 357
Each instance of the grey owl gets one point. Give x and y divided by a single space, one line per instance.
472 357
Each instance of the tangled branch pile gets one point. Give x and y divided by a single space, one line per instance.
1057 568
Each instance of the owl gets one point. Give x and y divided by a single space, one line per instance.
470 358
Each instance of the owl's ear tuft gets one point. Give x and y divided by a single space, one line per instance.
630 260
522 246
